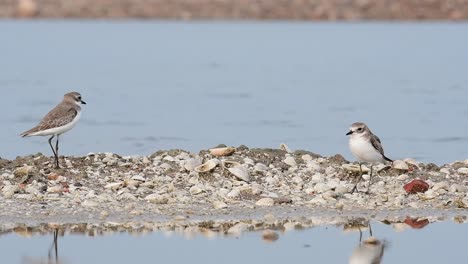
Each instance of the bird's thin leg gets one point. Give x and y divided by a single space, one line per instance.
360 234
370 229
56 153
370 178
54 247
359 179
50 144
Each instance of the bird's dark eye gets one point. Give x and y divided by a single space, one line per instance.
359 129
79 98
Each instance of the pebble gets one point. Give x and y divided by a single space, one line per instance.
458 188
260 167
90 203
240 172
403 177
440 185
197 189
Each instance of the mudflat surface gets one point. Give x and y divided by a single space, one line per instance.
248 184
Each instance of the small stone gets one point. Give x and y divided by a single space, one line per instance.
366 177
90 203
306 157
463 170
53 176
196 189
233 194
219 205
440 186
321 187
403 177
240 172
265 202
157 199
55 189
445 171
113 186
128 197
146 160
260 167
22 171
191 163
457 188
139 178
249 161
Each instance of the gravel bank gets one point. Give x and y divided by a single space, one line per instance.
237 9
245 185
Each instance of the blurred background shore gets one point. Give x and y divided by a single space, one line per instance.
348 10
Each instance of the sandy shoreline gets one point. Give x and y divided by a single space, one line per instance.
239 10
262 185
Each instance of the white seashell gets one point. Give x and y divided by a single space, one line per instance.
196 190
354 167
440 185
412 162
403 177
400 165
306 157
191 164
285 148
240 172
113 185
219 205
207 166
290 161
265 202
260 167
230 164
219 152
457 188
463 170
139 177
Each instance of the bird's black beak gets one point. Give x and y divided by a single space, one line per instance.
349 133
83 102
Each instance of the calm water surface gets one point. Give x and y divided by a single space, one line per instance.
435 243
160 85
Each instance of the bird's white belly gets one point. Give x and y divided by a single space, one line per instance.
58 130
364 151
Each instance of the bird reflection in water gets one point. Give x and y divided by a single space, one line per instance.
370 250
52 255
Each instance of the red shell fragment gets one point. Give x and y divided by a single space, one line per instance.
416 186
416 223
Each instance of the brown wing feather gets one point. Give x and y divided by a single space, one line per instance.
61 115
375 140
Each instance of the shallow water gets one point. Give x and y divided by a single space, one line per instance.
434 243
160 85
